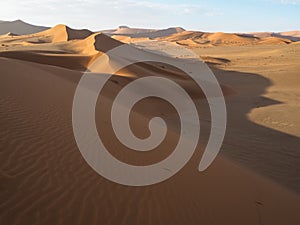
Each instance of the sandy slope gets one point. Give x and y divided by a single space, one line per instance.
45 180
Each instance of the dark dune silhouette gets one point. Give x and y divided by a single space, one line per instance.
19 27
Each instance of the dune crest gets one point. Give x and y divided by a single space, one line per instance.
94 44
60 33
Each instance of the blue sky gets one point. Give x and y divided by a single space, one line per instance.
214 15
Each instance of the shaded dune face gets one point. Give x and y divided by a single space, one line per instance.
45 180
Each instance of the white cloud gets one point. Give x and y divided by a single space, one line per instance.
286 2
98 14
293 2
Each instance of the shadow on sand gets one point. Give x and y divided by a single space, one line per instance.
271 153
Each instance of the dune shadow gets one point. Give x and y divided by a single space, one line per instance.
269 152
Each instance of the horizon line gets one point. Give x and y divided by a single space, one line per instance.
150 28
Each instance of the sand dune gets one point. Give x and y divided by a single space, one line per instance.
194 39
201 38
274 40
45 180
257 34
290 35
19 27
127 30
61 33
128 39
143 33
294 33
226 38
76 54
59 46
57 34
184 36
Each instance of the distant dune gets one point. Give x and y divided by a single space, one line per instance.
295 33
196 38
19 27
227 38
290 35
275 40
201 38
143 33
